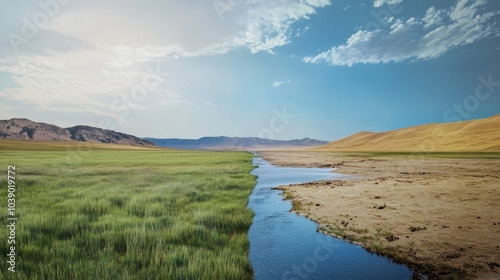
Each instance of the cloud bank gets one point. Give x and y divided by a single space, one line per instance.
429 36
72 55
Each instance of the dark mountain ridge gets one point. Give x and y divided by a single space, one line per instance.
25 129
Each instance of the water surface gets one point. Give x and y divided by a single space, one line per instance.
284 245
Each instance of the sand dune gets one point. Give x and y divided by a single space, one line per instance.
468 136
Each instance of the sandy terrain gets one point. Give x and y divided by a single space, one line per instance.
440 216
473 135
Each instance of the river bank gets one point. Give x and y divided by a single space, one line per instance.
284 245
439 216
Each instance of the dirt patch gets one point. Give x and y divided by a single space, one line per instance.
439 216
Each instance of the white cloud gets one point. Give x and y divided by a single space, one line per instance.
186 28
277 84
431 36
380 3
269 24
94 57
173 102
433 17
100 82
466 9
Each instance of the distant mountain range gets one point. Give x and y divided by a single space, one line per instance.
235 143
481 135
24 129
473 135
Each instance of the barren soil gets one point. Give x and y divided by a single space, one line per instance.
439 216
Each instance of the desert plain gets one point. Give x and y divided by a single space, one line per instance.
435 213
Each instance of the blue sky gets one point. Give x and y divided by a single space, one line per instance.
278 69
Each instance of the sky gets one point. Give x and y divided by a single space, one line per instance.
279 69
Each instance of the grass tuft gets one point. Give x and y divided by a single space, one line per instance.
130 214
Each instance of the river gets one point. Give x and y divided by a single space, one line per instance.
284 245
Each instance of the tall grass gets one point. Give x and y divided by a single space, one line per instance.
129 215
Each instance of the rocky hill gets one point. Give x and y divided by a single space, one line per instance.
24 129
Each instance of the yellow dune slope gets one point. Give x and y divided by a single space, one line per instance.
467 136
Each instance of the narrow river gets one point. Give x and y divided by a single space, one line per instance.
284 245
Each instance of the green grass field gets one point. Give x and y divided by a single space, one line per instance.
129 214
